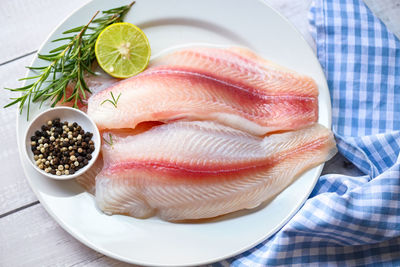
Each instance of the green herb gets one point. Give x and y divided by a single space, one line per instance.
113 101
68 64
109 142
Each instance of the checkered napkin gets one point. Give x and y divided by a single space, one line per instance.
350 221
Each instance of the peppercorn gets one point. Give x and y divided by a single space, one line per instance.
61 148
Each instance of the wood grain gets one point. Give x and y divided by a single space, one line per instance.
34 239
28 235
25 24
14 189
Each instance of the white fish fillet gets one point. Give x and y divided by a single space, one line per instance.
230 86
193 170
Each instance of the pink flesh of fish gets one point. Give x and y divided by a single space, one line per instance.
193 170
237 89
241 66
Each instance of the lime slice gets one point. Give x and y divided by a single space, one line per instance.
122 50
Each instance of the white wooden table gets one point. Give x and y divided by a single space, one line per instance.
28 235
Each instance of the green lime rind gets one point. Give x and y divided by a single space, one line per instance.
122 50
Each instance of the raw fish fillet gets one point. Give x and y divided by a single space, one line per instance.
240 91
192 170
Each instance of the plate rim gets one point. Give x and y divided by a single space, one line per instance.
99 249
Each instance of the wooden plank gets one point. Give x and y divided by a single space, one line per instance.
24 24
32 238
14 189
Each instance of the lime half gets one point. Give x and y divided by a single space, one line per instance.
122 50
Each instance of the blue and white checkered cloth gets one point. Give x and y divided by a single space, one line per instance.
350 221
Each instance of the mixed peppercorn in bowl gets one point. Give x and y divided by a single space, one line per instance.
62 143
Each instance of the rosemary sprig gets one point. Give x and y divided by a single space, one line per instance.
113 101
67 64
109 142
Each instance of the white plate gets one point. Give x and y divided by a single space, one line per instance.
169 23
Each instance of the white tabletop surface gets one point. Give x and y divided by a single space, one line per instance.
28 235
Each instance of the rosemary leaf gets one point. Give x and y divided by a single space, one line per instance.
64 76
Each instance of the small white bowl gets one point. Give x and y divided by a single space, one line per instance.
65 114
